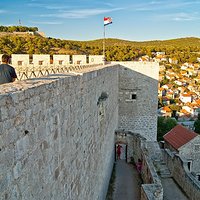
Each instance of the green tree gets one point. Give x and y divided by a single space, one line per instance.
184 49
174 109
197 124
164 125
164 81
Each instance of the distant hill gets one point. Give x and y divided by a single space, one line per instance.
181 49
188 41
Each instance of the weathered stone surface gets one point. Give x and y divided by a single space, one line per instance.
58 132
138 84
51 130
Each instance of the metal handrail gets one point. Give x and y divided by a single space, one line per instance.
26 72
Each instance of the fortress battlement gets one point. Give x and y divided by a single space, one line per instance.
58 131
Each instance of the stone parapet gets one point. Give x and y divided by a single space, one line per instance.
57 132
56 141
181 174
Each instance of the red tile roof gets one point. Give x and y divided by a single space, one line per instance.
179 136
186 95
184 111
198 101
167 109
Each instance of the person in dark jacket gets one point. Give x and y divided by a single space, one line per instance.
7 72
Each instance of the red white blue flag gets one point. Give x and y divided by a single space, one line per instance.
107 20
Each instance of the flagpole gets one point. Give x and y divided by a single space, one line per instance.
107 20
104 35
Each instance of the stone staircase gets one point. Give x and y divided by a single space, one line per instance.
158 160
161 166
164 171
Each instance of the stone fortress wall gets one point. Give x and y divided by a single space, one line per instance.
26 60
138 83
179 169
37 65
57 135
58 132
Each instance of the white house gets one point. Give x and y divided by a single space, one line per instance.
179 83
189 109
186 98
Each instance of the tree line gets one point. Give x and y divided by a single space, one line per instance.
183 50
12 29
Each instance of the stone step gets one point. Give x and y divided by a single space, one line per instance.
166 176
165 173
164 169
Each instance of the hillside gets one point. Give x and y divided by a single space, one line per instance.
189 41
116 49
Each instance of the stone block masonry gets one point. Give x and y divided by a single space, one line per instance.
57 132
57 136
138 98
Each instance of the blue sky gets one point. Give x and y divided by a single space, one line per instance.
83 19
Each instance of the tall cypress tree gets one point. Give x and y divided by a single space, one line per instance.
197 124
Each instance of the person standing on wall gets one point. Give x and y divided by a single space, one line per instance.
7 72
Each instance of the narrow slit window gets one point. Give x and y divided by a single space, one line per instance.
189 165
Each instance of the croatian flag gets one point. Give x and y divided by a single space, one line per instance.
107 20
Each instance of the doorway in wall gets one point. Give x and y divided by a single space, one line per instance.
120 151
198 177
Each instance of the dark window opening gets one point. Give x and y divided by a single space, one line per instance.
60 62
189 165
133 96
19 63
70 59
87 59
30 59
40 62
51 59
78 62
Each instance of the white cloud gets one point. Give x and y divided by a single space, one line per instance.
3 11
82 13
48 7
184 17
108 4
9 24
163 5
71 11
46 22
178 17
55 7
